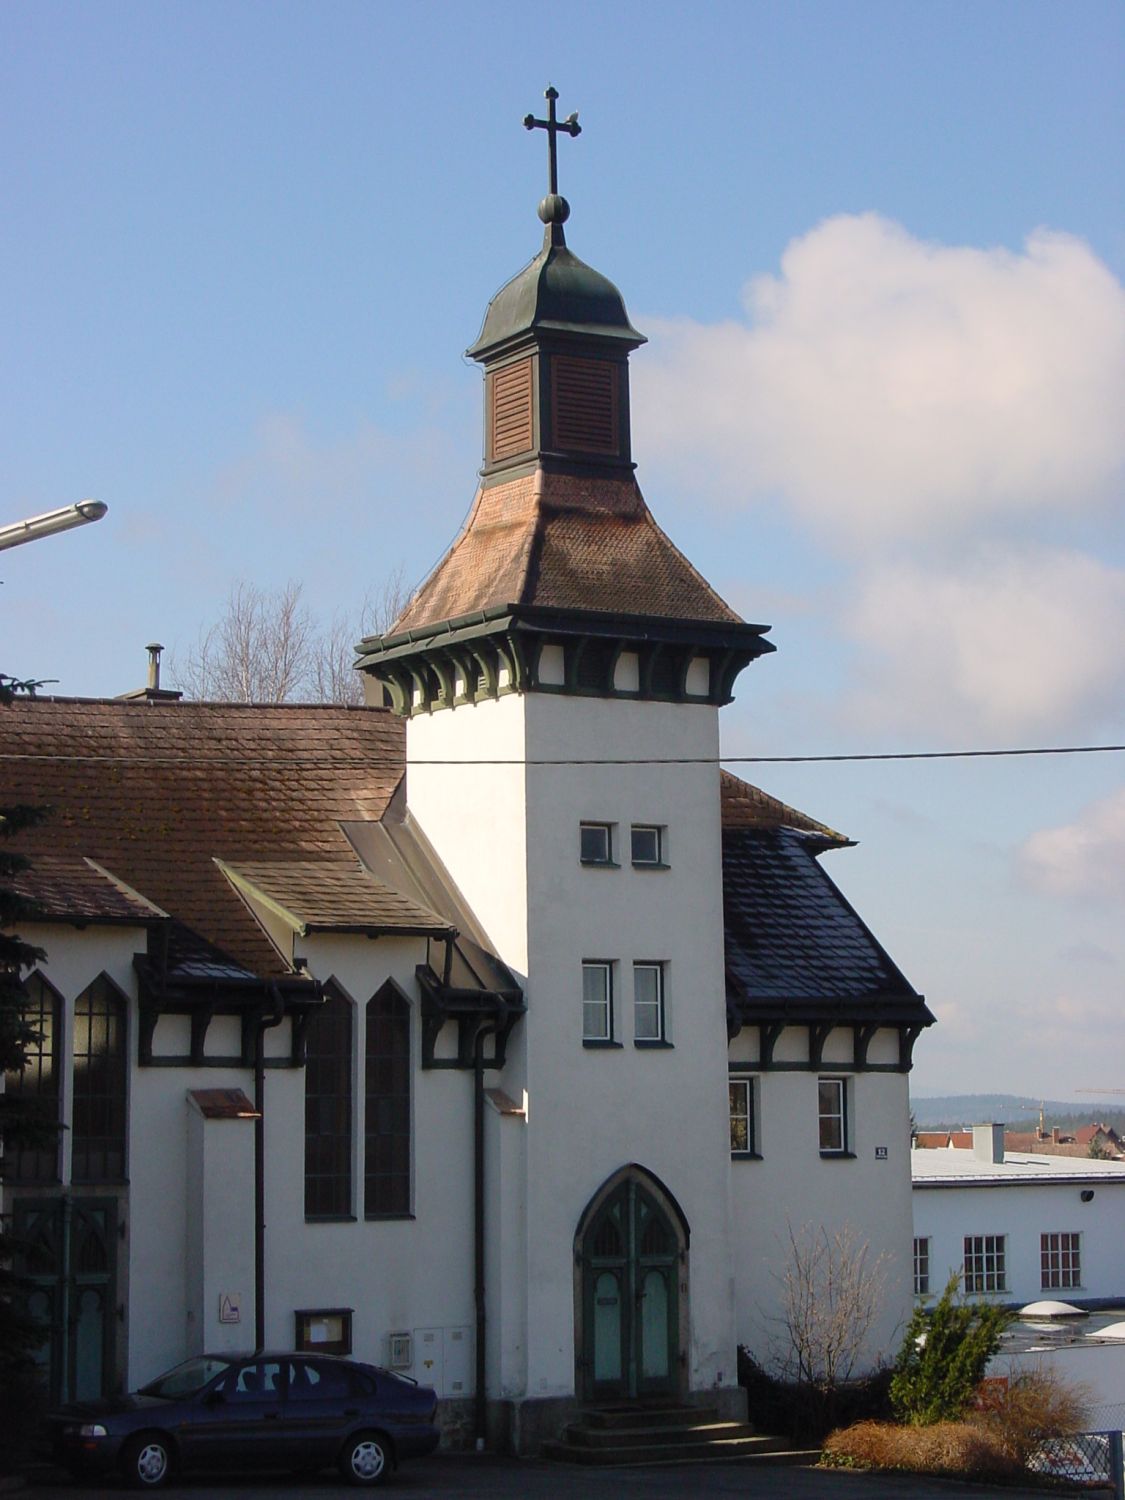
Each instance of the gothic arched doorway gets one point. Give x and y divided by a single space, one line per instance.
630 1290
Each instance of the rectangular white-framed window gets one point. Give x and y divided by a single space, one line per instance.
595 843
832 1115
649 1020
1060 1258
985 1268
743 1094
646 845
922 1266
597 1001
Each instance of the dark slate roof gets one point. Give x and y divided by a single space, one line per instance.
795 948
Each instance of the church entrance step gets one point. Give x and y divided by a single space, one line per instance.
653 1433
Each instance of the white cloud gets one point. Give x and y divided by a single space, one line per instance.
1083 860
1010 645
890 387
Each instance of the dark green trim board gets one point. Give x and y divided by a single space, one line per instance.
419 669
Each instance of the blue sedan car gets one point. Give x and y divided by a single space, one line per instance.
223 1412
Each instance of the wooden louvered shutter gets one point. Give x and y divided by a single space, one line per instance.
511 429
584 404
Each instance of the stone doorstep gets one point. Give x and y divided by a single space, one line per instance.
637 1414
761 1451
643 1435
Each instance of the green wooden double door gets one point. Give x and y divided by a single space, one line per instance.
68 1254
631 1255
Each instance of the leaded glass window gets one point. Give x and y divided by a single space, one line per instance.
386 1185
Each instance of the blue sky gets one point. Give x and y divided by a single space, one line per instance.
878 250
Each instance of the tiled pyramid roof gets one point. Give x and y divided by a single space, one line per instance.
568 542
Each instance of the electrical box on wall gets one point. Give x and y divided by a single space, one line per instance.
444 1359
400 1351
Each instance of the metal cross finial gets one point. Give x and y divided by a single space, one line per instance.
552 126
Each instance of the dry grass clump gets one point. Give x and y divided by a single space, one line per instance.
958 1448
994 1442
1036 1406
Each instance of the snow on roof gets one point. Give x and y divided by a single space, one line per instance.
956 1168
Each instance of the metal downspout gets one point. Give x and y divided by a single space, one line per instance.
264 1023
480 1394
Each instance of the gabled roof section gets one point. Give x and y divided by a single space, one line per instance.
747 806
564 541
155 792
331 896
69 888
796 950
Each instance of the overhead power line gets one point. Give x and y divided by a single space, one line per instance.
330 761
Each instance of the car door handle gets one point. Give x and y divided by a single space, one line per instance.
270 1416
351 1411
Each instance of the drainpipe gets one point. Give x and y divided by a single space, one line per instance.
481 1402
265 1021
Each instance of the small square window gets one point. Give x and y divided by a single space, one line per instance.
922 1266
597 1001
743 1137
324 1331
648 1002
832 1115
596 843
647 844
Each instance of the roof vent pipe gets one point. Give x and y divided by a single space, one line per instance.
988 1143
154 648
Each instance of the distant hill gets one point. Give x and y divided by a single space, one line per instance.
1017 1112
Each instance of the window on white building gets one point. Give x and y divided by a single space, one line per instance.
1060 1260
743 1135
832 1112
647 844
597 1001
595 843
985 1270
922 1266
648 1003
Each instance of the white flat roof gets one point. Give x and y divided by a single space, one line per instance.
943 1167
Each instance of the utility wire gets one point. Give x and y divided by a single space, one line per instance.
328 761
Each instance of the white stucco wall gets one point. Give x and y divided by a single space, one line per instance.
510 837
794 1188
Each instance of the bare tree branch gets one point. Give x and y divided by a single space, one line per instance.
266 649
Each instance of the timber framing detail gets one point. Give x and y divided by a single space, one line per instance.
496 652
815 1034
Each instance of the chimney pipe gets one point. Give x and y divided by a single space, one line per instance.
988 1143
154 648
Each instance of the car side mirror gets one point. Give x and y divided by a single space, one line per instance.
214 1398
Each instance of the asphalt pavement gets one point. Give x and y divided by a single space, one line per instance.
488 1477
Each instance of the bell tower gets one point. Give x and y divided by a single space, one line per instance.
561 671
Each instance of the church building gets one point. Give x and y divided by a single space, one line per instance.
490 1032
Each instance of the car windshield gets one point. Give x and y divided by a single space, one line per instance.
186 1379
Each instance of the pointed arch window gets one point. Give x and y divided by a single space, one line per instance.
36 1085
386 1184
98 1124
328 1108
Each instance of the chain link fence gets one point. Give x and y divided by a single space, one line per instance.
1091 1459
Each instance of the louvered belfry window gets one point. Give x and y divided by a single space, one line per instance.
584 404
511 428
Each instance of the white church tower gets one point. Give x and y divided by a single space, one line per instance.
561 671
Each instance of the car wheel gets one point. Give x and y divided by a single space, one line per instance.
147 1461
366 1459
